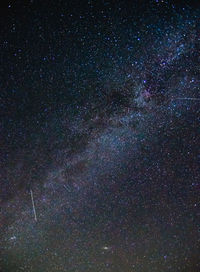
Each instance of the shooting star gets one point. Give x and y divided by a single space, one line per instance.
34 211
187 98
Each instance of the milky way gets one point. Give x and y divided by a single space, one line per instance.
100 137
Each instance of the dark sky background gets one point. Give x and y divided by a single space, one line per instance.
99 136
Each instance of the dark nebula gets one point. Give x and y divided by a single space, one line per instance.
99 136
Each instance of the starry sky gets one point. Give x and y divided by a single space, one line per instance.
99 136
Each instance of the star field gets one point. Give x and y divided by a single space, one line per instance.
99 120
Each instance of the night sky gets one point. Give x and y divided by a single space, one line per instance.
100 136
